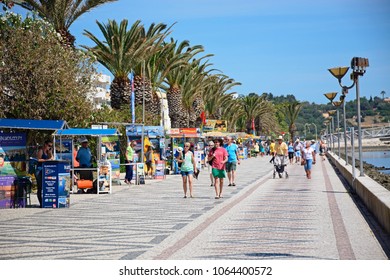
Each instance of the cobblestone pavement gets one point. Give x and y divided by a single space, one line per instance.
261 217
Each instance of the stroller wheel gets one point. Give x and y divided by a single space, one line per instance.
286 175
280 175
274 175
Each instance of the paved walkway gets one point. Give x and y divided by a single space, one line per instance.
261 218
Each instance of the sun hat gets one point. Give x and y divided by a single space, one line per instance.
280 137
313 141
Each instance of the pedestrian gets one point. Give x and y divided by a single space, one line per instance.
188 165
308 158
262 149
291 152
281 150
256 149
45 153
297 149
322 149
129 159
209 151
149 161
233 160
219 157
272 150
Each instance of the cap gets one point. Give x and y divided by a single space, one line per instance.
83 140
280 137
313 141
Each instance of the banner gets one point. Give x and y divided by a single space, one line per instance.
13 154
215 125
64 149
110 146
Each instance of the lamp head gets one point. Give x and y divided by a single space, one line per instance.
338 72
337 103
330 95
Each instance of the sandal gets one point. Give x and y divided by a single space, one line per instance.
217 197
233 184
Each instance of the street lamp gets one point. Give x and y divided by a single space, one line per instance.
338 104
331 113
358 65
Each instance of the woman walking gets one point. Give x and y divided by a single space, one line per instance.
309 158
219 157
291 152
209 151
188 165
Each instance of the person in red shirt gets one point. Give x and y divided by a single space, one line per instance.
219 158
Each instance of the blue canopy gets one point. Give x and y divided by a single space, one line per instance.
86 132
33 124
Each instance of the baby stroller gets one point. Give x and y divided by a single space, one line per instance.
280 162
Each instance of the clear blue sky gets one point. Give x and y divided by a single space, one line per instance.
278 46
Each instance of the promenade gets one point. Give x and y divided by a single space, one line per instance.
260 218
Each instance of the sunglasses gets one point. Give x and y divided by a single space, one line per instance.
50 146
186 146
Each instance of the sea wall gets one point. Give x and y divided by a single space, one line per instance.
375 197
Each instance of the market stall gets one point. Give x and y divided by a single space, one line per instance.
147 137
16 174
102 181
179 136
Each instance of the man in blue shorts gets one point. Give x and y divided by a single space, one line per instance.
231 164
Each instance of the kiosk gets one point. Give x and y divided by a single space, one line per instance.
16 175
103 180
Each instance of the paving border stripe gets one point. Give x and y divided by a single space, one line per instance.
165 254
343 243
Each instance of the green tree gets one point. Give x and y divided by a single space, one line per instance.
121 51
291 112
39 79
62 13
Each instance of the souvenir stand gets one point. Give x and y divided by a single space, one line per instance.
146 136
17 166
103 169
181 135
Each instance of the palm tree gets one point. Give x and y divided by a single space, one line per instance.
174 81
62 13
121 51
216 96
291 112
144 90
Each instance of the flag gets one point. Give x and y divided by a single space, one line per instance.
203 117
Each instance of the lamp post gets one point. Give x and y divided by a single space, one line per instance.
331 113
358 65
338 104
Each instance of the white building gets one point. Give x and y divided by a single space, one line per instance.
100 93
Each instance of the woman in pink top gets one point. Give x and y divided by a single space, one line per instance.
219 157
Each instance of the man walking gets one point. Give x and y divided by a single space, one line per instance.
233 159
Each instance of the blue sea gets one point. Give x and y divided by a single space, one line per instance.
379 159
